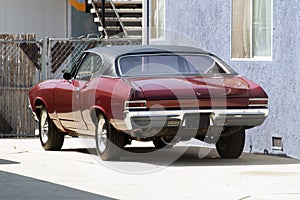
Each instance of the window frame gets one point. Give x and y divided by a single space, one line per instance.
228 70
251 58
151 18
83 59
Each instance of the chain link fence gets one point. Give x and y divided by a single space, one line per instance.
25 61
63 53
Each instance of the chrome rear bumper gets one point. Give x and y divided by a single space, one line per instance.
216 117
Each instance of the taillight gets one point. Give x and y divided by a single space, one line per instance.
129 105
258 102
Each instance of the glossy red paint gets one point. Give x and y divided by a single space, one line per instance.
72 102
223 91
108 95
44 92
255 90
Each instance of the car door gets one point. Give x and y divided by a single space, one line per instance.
85 88
66 100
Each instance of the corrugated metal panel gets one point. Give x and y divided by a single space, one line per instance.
44 18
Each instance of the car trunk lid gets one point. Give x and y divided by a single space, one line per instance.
191 91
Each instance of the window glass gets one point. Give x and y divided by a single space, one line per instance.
148 65
89 66
262 27
251 28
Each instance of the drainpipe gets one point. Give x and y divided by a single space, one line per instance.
103 15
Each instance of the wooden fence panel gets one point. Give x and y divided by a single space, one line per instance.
17 75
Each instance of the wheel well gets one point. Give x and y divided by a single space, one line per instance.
38 106
95 113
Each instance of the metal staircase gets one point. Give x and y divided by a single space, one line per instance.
118 18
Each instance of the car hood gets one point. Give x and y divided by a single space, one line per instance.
191 87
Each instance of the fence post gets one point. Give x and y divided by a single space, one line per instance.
44 59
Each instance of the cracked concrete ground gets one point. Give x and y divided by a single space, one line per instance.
29 172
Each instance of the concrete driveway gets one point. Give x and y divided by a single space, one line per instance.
29 172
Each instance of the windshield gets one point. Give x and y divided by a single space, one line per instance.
172 64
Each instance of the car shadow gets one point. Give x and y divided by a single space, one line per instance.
202 156
81 150
180 156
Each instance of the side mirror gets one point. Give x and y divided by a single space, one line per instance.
67 76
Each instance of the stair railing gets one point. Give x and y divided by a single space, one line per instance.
118 17
99 16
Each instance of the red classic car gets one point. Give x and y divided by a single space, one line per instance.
163 94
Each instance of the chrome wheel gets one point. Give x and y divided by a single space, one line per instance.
44 127
102 132
109 142
50 137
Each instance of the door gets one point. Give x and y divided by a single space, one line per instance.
66 99
68 95
79 94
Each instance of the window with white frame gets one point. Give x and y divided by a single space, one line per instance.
251 29
157 22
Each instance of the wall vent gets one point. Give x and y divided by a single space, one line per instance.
277 143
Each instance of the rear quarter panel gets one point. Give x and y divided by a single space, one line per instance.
111 95
105 94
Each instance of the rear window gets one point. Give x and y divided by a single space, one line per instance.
172 64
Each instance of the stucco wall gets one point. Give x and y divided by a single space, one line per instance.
44 18
209 23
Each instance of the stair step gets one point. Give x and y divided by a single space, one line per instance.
124 2
123 19
120 11
128 28
118 4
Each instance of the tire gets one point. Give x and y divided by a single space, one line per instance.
232 146
109 142
50 138
159 143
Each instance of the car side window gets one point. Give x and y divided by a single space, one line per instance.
89 66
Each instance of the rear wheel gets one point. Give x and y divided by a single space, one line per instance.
50 138
231 146
109 142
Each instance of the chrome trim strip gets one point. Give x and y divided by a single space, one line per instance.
127 107
258 99
258 105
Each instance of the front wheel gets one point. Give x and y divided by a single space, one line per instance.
50 138
231 146
109 142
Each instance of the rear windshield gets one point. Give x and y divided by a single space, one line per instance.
172 64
